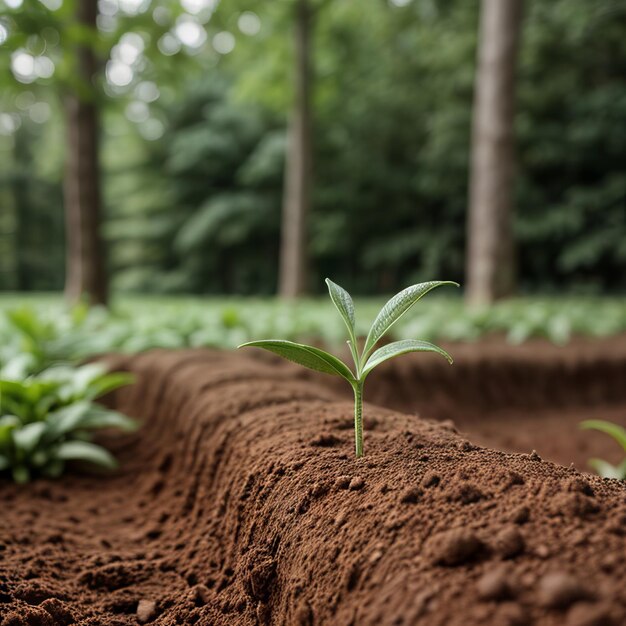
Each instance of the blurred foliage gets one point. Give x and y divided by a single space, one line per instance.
572 218
29 220
137 323
193 176
618 434
48 408
47 419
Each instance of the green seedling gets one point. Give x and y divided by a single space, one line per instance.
366 360
49 418
618 433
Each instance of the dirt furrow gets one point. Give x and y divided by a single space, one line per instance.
240 502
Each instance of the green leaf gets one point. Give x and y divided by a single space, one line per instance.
310 357
109 382
27 323
85 451
83 377
401 347
4 462
343 302
14 388
617 432
607 470
20 409
27 437
8 423
42 407
18 366
396 307
105 418
66 419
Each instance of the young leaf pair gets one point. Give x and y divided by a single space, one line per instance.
368 358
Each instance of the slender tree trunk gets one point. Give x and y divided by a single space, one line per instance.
85 261
490 251
298 167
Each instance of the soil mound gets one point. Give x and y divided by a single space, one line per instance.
240 503
515 398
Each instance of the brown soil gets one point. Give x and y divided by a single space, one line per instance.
240 503
517 399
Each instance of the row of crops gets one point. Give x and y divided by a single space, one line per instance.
37 331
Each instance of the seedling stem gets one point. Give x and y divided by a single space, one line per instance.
358 418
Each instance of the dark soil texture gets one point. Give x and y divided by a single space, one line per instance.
240 502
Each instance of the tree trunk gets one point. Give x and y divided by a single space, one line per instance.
85 261
23 212
298 166
490 251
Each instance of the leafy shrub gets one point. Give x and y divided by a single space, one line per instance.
48 419
39 342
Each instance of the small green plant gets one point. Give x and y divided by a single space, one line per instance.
618 433
48 419
366 360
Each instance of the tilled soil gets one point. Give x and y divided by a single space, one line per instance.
240 503
517 398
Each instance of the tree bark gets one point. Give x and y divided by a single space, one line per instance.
22 208
298 166
490 251
85 260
